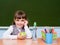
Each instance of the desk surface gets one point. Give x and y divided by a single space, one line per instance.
26 42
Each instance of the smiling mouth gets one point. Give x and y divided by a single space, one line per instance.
19 24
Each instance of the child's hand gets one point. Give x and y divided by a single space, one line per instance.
25 22
21 37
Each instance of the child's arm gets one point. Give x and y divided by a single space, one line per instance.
28 32
7 34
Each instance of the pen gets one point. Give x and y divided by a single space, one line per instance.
45 30
50 30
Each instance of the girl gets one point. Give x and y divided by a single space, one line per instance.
20 24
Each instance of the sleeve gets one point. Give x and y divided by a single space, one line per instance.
7 34
28 32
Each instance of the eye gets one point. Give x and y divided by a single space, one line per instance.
22 20
17 20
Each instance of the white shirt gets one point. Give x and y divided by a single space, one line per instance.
7 34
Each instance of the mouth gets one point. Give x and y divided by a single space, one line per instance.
20 24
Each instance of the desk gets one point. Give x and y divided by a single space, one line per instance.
26 42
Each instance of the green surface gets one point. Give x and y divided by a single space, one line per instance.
44 12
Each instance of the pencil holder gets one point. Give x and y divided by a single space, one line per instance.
49 38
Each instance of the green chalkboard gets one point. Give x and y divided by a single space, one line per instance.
44 12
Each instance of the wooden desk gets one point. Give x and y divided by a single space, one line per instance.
26 42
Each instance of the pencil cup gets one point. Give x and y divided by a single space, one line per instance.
49 38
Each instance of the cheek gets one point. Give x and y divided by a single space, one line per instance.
16 22
22 23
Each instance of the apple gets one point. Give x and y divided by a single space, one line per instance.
22 34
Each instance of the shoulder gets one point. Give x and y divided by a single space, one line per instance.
11 26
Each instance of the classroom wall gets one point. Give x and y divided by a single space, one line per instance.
57 29
44 12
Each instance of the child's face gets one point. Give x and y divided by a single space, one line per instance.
19 22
